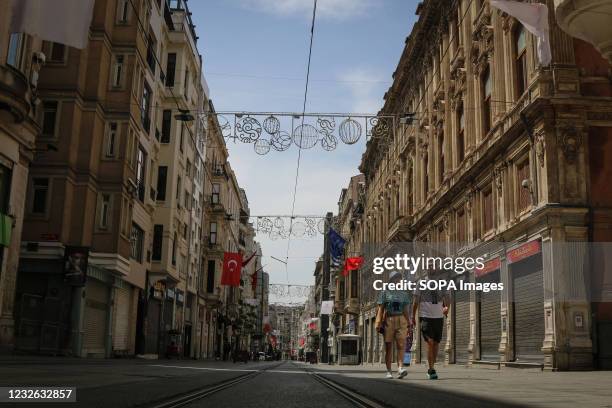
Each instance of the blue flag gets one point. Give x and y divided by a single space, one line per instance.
336 245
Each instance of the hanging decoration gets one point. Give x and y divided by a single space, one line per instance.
278 131
285 226
289 291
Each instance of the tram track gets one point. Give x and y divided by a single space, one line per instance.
192 396
355 398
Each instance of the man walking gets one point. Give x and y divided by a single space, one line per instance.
392 320
433 307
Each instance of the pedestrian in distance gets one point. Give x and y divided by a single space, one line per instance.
392 321
432 306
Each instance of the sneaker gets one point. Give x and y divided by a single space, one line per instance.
402 372
389 375
431 374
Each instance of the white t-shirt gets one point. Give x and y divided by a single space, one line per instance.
431 303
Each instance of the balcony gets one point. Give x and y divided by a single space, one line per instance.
588 20
400 230
13 93
218 171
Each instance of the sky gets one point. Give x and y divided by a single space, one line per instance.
255 55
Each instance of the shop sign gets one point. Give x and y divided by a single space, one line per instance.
170 293
180 297
489 266
158 289
524 251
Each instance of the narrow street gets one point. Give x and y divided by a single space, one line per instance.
174 383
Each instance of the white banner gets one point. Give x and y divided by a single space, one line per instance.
534 16
61 21
327 307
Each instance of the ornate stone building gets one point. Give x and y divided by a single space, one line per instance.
498 156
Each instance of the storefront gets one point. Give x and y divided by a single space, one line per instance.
461 316
527 301
488 308
123 318
97 298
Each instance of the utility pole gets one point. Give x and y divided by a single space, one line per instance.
325 289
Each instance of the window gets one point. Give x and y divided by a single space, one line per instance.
460 135
461 228
354 284
110 148
187 202
425 176
151 59
58 52
166 126
118 70
216 191
158 239
441 158
105 209
16 48
487 208
49 118
137 241
170 69
178 191
520 46
186 89
210 277
40 195
145 107
486 100
5 188
185 228
212 238
123 11
174 247
410 190
141 164
162 180
524 195
182 137
188 168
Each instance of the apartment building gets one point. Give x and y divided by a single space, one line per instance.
178 193
500 157
20 63
226 229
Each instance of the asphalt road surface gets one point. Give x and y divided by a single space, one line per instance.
185 383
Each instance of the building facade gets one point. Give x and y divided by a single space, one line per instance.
498 156
20 63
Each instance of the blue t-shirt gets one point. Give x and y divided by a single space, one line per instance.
394 300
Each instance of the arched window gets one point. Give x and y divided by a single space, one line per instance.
425 176
460 135
486 100
520 60
441 163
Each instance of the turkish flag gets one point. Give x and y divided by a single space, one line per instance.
232 265
352 264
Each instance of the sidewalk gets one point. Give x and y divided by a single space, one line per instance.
526 387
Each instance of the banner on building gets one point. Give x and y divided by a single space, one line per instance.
232 265
534 17
61 21
336 246
75 265
327 307
352 264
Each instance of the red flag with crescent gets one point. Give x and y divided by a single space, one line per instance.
232 265
352 264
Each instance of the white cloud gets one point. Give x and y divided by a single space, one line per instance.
366 90
334 9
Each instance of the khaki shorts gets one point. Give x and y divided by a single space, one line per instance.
396 328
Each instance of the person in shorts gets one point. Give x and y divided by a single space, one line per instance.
433 307
393 316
